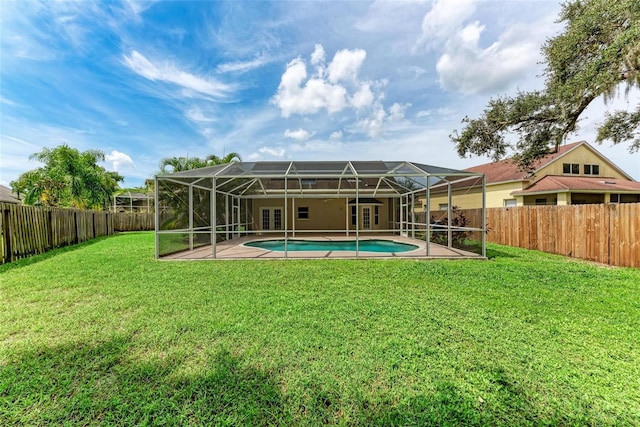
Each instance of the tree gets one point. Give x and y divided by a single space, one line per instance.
597 54
178 164
69 178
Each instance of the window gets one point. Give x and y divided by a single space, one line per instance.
614 198
376 215
541 202
510 203
571 168
592 169
308 182
303 212
443 206
354 215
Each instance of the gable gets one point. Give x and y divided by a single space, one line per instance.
506 170
582 155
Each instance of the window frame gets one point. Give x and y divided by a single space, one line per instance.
591 169
302 212
571 168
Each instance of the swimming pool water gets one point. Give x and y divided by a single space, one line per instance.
337 245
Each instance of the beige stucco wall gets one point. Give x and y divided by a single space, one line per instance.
472 198
324 214
581 155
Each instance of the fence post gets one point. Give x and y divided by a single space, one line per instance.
6 232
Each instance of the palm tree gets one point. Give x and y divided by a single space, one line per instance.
177 198
212 159
178 164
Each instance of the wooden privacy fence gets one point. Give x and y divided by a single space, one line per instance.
608 234
30 230
133 221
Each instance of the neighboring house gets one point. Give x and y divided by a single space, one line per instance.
576 174
6 196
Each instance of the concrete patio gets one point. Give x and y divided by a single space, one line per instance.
235 249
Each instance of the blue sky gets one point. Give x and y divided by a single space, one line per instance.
355 80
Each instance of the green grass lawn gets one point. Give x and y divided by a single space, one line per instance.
101 333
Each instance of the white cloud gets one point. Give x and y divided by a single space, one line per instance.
443 20
464 64
196 115
334 87
467 68
170 73
118 160
317 57
363 97
272 151
373 124
310 149
337 135
242 66
296 97
346 65
396 111
298 135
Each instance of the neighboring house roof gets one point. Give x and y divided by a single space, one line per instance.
559 184
7 196
508 170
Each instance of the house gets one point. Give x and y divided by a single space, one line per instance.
282 198
576 174
7 196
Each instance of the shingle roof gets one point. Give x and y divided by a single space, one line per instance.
7 196
554 183
507 170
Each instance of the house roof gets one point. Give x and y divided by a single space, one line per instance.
559 184
7 196
508 170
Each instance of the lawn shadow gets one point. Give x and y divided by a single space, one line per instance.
447 405
33 259
103 383
496 253
84 384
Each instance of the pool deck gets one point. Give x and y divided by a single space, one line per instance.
235 249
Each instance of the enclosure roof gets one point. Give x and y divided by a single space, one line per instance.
303 169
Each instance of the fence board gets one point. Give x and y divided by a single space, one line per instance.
602 233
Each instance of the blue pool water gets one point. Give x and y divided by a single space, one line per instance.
338 245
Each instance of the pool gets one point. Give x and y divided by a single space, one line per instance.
335 245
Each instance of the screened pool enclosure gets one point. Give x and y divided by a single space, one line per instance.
212 212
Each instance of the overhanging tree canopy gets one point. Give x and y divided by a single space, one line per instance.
597 54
